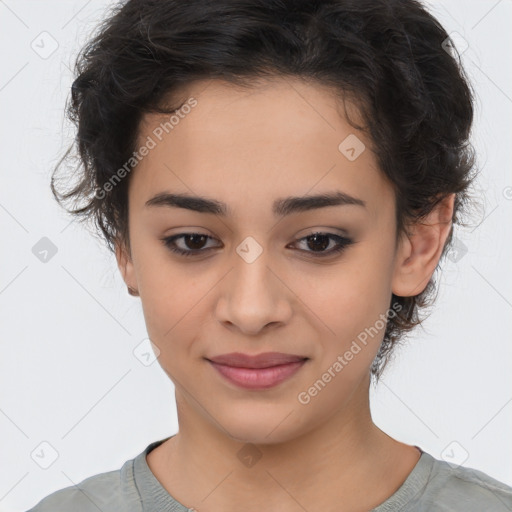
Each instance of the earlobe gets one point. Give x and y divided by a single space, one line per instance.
419 252
125 264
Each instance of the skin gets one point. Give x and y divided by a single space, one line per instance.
247 148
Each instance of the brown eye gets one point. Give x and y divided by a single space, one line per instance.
193 243
318 242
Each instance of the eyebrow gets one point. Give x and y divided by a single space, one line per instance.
280 208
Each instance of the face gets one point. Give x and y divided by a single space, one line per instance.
255 279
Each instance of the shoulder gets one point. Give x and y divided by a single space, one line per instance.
113 490
456 488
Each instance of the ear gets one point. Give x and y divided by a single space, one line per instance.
420 250
126 267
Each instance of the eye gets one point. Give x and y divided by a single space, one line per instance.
193 244
195 240
319 241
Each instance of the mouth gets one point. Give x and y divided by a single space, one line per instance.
262 371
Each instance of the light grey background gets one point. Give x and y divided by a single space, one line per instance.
69 375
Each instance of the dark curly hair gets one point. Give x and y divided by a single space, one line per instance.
392 58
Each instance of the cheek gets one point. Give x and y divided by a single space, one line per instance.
340 302
350 301
170 296
171 305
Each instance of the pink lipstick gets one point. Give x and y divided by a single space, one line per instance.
261 371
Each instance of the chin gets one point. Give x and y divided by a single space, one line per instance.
263 427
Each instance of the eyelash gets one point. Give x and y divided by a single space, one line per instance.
343 243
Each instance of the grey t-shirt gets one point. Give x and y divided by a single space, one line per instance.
432 485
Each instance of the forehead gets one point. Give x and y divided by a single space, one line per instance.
296 109
285 136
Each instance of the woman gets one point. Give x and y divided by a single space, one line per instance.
278 182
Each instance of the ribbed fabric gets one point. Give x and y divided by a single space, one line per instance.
153 496
413 486
432 486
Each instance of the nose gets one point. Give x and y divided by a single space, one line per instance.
254 297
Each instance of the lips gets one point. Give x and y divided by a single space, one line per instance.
264 360
257 372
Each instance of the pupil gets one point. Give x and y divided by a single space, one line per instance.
194 239
315 239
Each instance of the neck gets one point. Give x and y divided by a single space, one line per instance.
347 460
